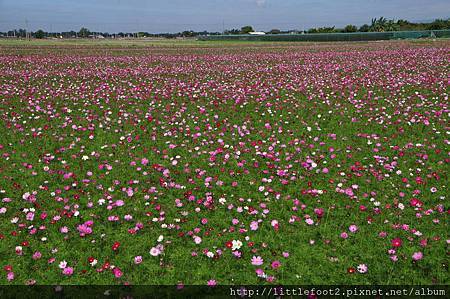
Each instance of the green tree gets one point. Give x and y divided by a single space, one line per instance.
84 32
22 33
364 28
382 24
391 26
350 28
378 25
439 24
188 33
275 31
39 34
322 30
246 29
402 22
143 34
232 31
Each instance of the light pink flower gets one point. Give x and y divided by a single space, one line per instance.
353 228
257 261
138 259
254 225
154 251
417 256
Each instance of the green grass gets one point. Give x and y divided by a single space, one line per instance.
39 71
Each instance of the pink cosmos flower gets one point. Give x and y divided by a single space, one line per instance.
319 212
68 271
257 260
259 272
130 192
138 259
37 255
117 272
382 234
254 225
84 229
212 282
275 264
349 192
155 251
353 228
417 256
362 268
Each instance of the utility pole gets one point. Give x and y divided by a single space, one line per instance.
223 26
26 28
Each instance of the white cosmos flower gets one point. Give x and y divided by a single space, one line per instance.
62 265
236 244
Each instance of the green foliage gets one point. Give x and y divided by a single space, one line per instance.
232 31
143 34
439 24
246 29
275 31
39 34
350 28
189 33
322 30
84 32
382 25
364 28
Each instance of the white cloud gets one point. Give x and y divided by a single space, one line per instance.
260 3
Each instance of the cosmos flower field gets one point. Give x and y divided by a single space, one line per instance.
218 164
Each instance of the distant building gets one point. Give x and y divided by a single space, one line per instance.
96 36
257 33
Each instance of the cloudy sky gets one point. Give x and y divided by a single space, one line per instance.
212 15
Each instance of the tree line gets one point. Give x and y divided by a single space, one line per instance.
383 25
86 33
376 25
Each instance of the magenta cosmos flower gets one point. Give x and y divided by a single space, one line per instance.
212 282
68 271
276 264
